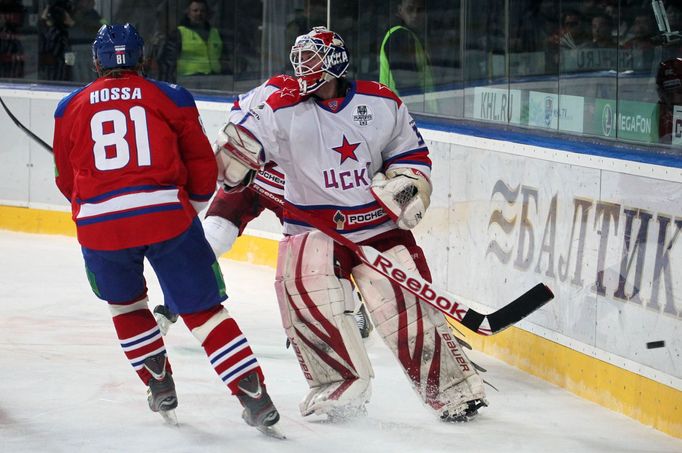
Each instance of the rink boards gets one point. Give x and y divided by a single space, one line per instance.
602 232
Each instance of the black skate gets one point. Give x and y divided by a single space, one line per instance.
465 414
161 394
364 324
164 318
259 411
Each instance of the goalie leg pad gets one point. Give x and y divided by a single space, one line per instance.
418 335
317 314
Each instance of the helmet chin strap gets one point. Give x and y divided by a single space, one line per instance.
303 84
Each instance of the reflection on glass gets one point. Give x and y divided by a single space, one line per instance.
576 66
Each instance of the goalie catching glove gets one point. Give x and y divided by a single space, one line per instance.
238 155
404 193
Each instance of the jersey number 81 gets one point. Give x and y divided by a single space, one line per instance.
120 157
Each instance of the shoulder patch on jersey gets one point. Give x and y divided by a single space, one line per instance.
286 97
64 103
371 88
282 81
180 96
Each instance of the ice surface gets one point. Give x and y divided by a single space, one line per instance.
66 386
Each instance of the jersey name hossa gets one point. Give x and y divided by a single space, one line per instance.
130 154
330 150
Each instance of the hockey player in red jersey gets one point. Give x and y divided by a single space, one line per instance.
133 160
355 160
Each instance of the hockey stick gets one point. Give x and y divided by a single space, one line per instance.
440 299
24 128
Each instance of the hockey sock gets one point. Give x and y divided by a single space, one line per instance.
138 334
225 344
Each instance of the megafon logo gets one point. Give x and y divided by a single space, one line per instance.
607 120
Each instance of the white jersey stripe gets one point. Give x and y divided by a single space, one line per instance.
126 341
128 201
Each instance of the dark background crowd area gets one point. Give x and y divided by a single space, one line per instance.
613 47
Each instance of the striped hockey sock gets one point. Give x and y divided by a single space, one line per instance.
225 344
139 334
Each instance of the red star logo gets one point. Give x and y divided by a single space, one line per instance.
285 92
347 150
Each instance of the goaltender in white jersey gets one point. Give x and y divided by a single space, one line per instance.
366 132
354 159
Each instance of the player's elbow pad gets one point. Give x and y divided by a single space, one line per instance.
239 156
404 193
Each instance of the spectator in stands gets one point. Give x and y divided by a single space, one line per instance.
87 22
11 49
160 55
640 32
572 33
669 87
198 45
639 41
55 58
404 64
602 33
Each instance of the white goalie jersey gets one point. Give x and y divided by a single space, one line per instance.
330 150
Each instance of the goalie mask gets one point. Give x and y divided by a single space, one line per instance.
318 57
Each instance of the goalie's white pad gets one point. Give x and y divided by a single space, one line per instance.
404 193
419 337
220 234
317 314
239 156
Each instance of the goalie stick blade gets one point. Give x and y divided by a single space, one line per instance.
511 313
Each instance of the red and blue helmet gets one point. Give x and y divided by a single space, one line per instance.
117 46
318 57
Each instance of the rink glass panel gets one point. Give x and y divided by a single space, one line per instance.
552 65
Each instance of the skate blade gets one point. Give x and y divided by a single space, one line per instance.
271 431
169 417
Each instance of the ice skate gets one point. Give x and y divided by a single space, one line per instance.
259 411
164 318
351 404
463 413
364 324
161 394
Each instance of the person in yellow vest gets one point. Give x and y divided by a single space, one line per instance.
199 46
403 60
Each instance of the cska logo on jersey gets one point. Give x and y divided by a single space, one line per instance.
347 150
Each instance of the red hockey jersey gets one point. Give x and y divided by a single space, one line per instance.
131 155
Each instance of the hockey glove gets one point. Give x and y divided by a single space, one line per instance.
239 156
404 193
